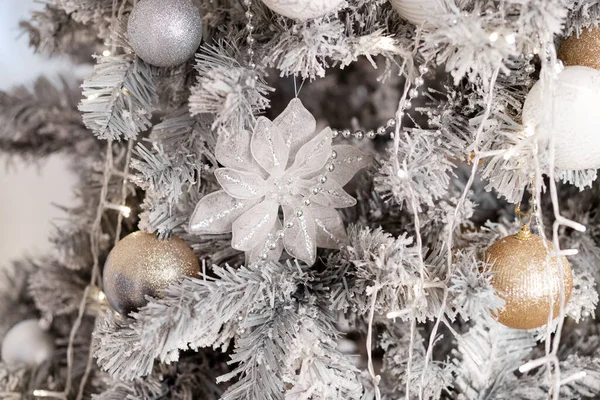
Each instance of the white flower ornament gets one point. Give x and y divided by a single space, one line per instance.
283 165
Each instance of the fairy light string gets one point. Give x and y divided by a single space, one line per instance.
95 282
92 292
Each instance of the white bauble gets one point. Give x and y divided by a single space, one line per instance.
419 11
303 9
27 343
571 115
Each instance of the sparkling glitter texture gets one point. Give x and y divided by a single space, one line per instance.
165 33
583 50
523 280
141 265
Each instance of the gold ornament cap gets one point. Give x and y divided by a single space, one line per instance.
583 50
141 265
522 279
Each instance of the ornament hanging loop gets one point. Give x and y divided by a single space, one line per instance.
528 215
521 215
524 233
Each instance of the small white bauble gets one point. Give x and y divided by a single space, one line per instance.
419 11
302 9
571 115
27 343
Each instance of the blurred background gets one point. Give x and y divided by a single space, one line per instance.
28 193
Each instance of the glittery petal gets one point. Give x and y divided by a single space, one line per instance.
313 155
254 225
241 185
297 126
331 233
254 255
216 212
268 147
233 151
300 240
333 196
348 162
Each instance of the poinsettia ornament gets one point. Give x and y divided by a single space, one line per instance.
284 165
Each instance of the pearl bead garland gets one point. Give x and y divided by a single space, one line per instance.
250 39
391 123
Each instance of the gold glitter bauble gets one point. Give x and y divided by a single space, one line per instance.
583 50
522 280
141 265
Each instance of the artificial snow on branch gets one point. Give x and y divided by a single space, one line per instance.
286 354
471 291
96 13
425 170
196 313
118 97
54 32
487 359
582 14
38 122
478 39
396 342
383 273
180 149
55 289
228 88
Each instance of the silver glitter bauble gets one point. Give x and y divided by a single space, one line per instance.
165 33
140 265
27 343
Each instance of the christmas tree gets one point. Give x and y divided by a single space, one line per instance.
312 199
